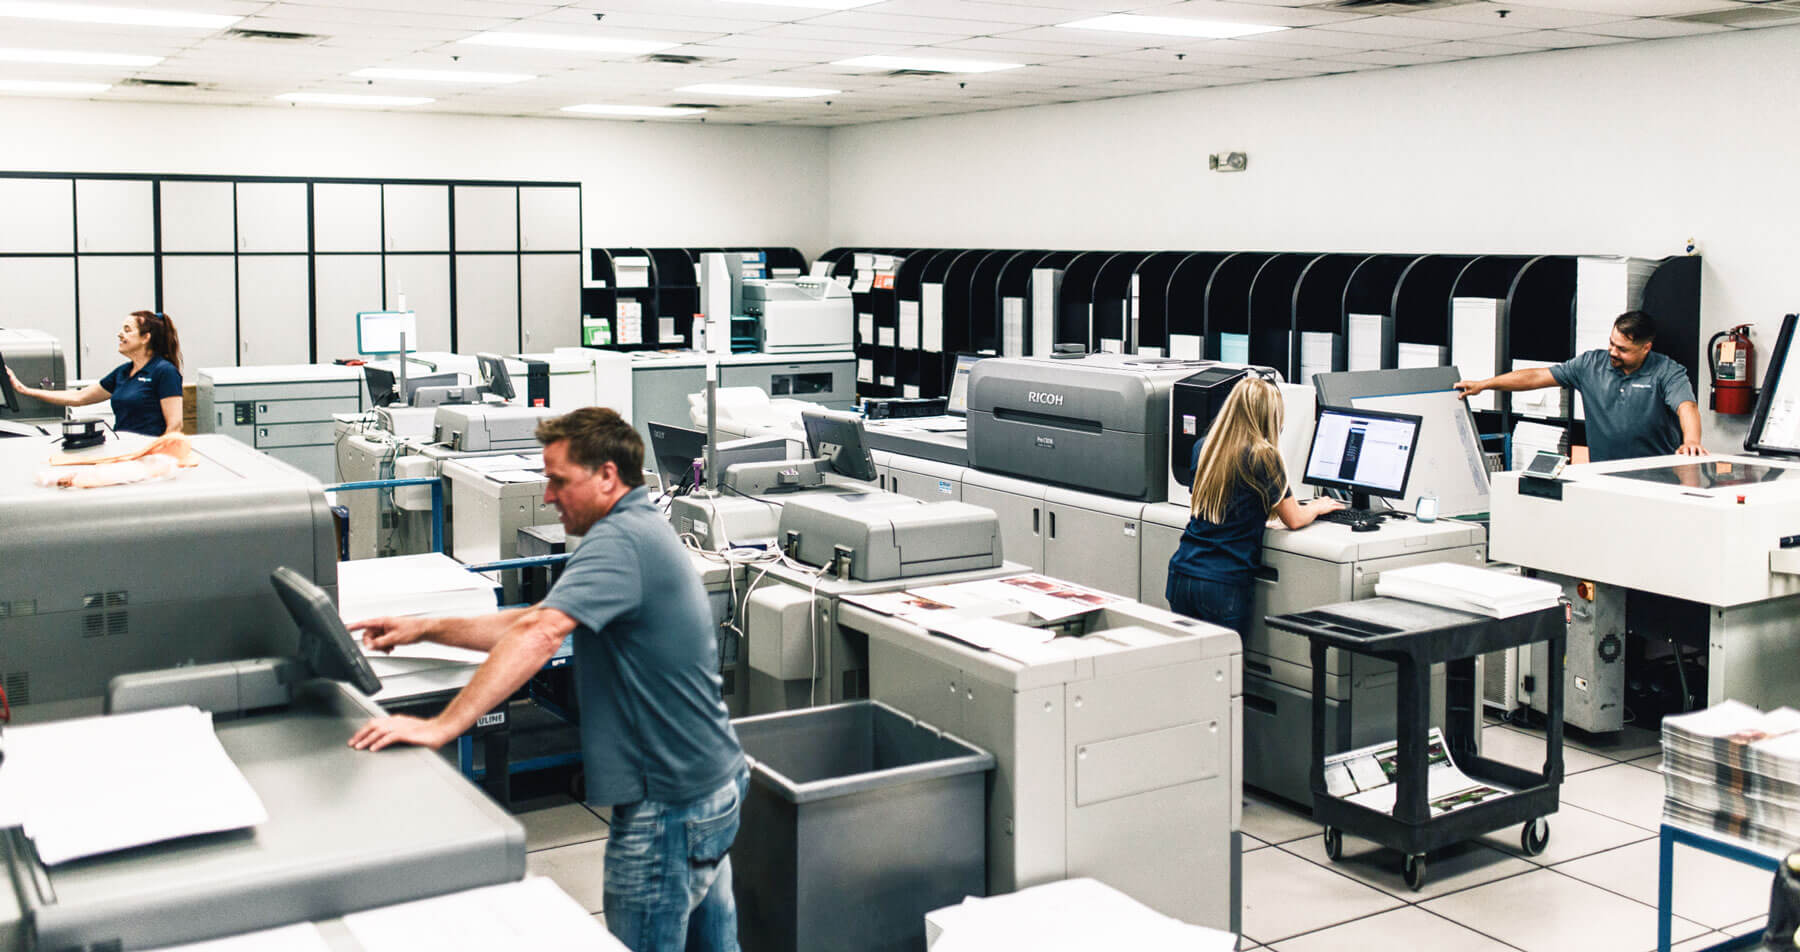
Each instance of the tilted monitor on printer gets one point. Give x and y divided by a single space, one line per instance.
1363 452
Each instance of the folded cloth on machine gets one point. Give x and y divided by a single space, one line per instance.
142 469
175 445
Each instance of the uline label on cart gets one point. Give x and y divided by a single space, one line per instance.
490 720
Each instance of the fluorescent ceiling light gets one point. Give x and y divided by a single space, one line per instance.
354 99
928 65
125 16
559 41
76 58
757 92
1170 26
636 112
442 75
809 4
45 86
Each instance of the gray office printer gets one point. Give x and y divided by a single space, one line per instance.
36 358
1099 422
481 426
97 582
802 314
877 536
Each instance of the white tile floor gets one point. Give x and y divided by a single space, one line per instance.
1592 890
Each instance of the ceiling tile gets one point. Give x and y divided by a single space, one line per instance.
1647 29
1466 48
1637 8
1426 28
1522 16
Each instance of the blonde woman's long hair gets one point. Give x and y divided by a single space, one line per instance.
1246 433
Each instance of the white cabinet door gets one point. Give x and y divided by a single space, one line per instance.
424 282
40 215
549 218
271 216
274 319
114 215
346 217
111 288
200 296
487 304
347 285
487 218
198 216
550 301
39 293
416 217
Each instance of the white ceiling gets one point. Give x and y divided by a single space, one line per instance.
786 45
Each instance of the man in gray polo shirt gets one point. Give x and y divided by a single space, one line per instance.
656 740
1637 403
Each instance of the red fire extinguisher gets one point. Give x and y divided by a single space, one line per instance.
1732 359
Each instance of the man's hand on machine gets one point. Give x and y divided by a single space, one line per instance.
401 729
385 634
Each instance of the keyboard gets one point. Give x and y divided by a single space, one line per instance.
1353 517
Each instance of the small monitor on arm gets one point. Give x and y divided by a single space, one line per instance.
837 438
494 376
9 398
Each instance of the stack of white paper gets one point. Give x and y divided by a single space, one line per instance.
1549 402
1045 285
1185 346
300 937
531 914
1475 343
1735 770
1075 915
1530 438
909 325
1412 356
631 271
1012 327
1368 335
931 317
431 584
1469 589
83 787
1318 353
1604 289
1234 348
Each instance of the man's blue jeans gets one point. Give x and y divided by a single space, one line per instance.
668 879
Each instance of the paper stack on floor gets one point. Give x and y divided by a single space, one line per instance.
1734 770
1075 915
1469 589
1529 438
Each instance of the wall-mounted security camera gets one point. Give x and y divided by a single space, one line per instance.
1228 161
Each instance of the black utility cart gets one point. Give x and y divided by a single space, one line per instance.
1414 637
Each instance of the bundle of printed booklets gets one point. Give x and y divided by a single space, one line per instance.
1734 770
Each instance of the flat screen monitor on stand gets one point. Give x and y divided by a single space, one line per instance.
676 449
495 378
1364 453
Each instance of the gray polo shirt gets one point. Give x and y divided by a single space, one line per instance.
1628 415
646 662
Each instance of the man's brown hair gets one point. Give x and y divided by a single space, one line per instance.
597 435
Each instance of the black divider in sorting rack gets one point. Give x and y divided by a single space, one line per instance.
1075 302
1185 311
1497 276
1422 299
1014 285
1272 342
1111 304
677 297
1370 290
1228 297
1672 297
1319 302
959 333
986 317
1150 317
1046 324
934 285
907 286
1414 639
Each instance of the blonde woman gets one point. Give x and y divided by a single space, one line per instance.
1239 480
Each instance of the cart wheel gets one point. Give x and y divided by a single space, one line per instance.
1415 871
1334 843
1535 836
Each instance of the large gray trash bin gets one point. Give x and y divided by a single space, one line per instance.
858 821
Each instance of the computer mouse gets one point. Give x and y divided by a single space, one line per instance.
1365 527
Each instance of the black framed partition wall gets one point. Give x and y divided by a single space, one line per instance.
273 269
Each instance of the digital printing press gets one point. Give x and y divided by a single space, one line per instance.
194 619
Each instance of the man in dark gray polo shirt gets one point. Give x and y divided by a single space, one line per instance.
656 740
1637 403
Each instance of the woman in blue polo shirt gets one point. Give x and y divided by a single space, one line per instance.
145 390
1239 481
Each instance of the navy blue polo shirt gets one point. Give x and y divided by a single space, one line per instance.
137 397
1230 552
1628 415
653 724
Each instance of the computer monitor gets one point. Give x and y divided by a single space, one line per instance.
326 647
838 438
675 448
494 376
958 404
382 388
380 332
1363 452
8 396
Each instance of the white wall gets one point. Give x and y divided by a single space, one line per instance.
1626 149
644 184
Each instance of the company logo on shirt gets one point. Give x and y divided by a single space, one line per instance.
143 380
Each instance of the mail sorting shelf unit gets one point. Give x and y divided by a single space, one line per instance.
1271 308
1318 308
659 282
1110 307
877 310
1013 292
1075 298
1186 302
1228 305
954 274
1369 291
909 309
1478 351
1147 312
1414 637
988 319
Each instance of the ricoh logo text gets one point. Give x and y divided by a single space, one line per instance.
1047 399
